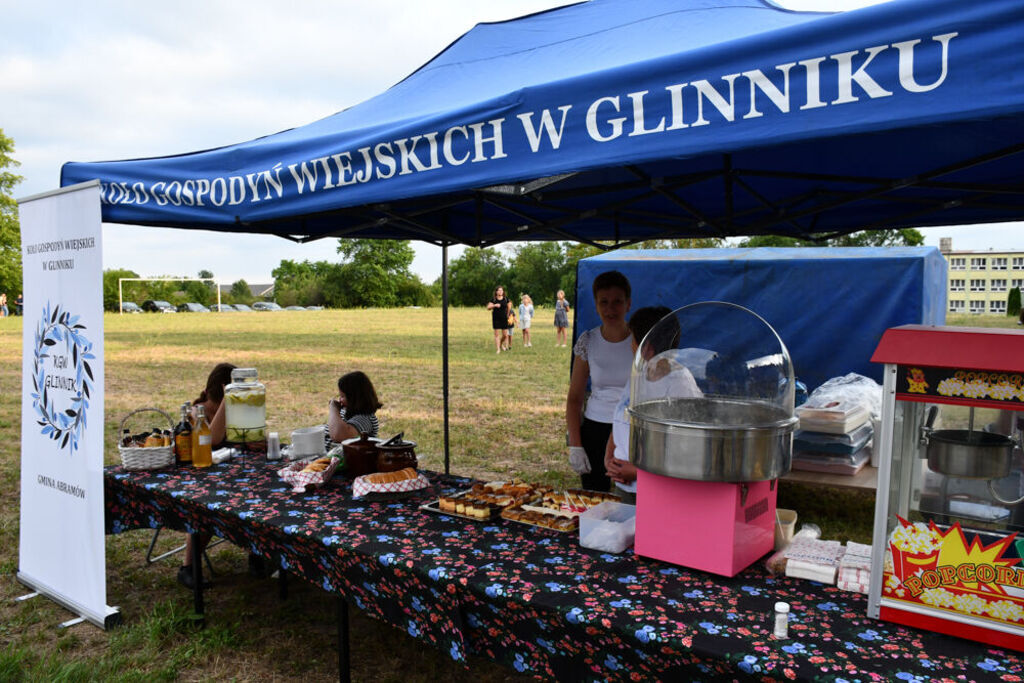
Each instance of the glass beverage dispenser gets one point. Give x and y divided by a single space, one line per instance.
950 505
245 410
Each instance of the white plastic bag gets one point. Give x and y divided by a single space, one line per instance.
851 389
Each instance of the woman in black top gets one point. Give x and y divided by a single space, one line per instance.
499 307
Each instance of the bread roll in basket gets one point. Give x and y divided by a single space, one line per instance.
400 481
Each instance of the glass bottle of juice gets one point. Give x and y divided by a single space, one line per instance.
202 440
183 438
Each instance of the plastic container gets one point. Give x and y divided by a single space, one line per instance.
609 527
307 441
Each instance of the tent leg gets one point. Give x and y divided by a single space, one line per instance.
344 666
444 334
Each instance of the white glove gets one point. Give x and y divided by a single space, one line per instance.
578 460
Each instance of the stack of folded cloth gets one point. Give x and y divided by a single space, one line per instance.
855 568
814 559
834 437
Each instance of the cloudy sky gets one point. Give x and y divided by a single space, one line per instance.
116 79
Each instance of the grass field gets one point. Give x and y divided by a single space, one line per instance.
506 421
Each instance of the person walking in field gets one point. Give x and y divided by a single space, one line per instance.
3 304
500 307
525 316
510 326
561 319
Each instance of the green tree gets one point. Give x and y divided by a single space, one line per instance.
128 289
473 276
201 292
10 230
240 292
413 292
375 270
538 269
905 237
1013 302
303 283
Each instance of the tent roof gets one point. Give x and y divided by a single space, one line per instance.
638 119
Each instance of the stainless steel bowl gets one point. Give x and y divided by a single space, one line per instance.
971 454
712 439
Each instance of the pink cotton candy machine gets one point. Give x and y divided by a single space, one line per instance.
711 409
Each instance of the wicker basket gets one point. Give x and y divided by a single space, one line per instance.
142 458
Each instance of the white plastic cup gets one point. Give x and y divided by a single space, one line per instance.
273 446
785 525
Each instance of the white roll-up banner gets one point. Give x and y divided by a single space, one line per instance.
61 549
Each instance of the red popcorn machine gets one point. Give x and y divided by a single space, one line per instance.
711 412
947 552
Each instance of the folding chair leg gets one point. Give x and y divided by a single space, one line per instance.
152 544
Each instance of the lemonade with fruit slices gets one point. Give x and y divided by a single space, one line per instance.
245 412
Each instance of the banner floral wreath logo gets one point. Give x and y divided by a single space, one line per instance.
63 423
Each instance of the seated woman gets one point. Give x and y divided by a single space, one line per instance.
354 411
212 400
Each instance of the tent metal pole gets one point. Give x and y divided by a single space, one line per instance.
444 344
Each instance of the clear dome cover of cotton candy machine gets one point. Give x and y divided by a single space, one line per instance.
712 397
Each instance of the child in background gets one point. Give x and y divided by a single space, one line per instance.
510 328
525 316
666 379
354 411
561 319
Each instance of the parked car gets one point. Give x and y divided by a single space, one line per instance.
223 308
158 306
130 307
294 308
242 307
314 308
266 306
192 307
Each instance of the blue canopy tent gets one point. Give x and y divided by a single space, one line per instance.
629 120
638 119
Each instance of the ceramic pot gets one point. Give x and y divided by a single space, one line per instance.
360 455
396 455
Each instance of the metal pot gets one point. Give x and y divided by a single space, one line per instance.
970 454
396 454
712 439
360 455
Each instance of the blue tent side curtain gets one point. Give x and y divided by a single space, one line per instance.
630 120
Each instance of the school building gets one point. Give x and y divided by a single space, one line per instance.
980 281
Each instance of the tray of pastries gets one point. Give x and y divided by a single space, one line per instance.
485 502
556 510
567 503
545 519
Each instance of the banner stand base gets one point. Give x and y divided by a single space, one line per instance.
106 620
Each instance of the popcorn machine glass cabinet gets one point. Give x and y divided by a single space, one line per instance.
951 555
955 464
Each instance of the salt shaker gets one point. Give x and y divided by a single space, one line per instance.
781 627
273 446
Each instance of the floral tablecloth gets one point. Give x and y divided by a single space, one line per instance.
534 599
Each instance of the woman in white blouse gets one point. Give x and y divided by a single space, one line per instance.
604 357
